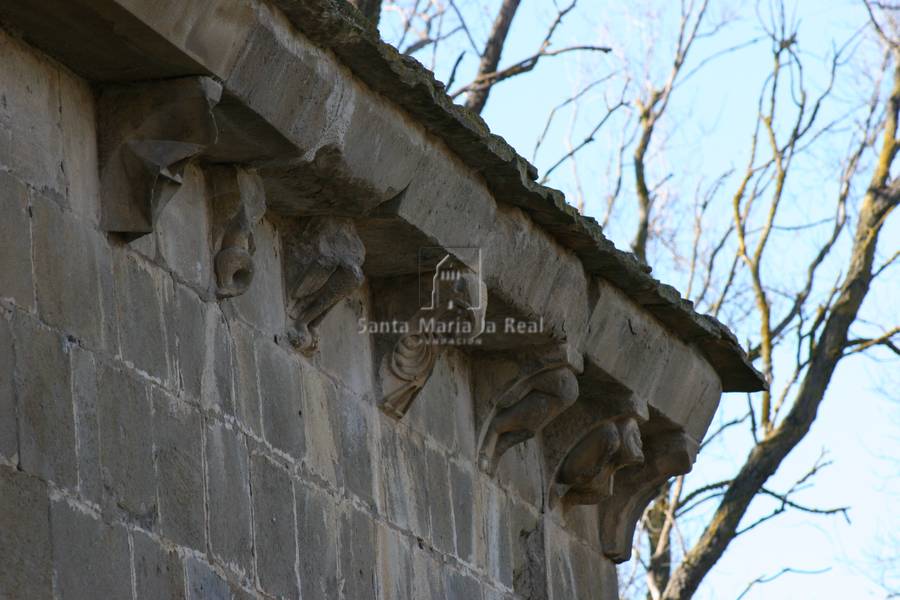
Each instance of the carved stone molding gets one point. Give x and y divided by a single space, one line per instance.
323 264
149 133
665 455
545 386
453 316
238 204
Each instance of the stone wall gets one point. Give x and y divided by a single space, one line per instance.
156 442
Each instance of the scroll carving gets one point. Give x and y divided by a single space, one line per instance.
323 265
454 317
149 133
547 388
666 455
589 469
239 201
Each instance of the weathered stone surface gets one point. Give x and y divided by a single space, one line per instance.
188 326
158 573
183 232
217 386
73 270
440 505
46 419
273 521
30 138
9 436
394 564
228 485
461 489
126 444
246 385
353 421
461 586
26 570
141 292
262 306
280 398
358 554
178 444
317 539
84 391
91 558
344 352
204 583
16 282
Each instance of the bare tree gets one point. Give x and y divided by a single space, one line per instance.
800 327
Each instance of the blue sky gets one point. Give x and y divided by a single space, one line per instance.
707 132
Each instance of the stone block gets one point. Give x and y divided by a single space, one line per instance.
9 437
529 564
46 419
158 573
443 409
440 501
142 291
73 275
217 373
461 490
395 570
246 384
228 479
188 326
79 135
461 586
517 469
280 398
204 583
274 527
493 550
354 445
26 570
262 305
358 555
87 424
182 232
317 536
126 444
29 115
16 281
91 558
428 580
323 435
178 443
343 351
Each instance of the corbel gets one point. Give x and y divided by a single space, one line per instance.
666 455
543 386
239 203
453 316
588 445
323 264
149 132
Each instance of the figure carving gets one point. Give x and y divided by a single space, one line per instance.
455 316
149 133
524 409
666 455
324 265
239 201
590 467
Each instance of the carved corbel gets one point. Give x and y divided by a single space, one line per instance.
665 455
589 470
545 387
454 316
592 441
323 265
149 132
239 203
